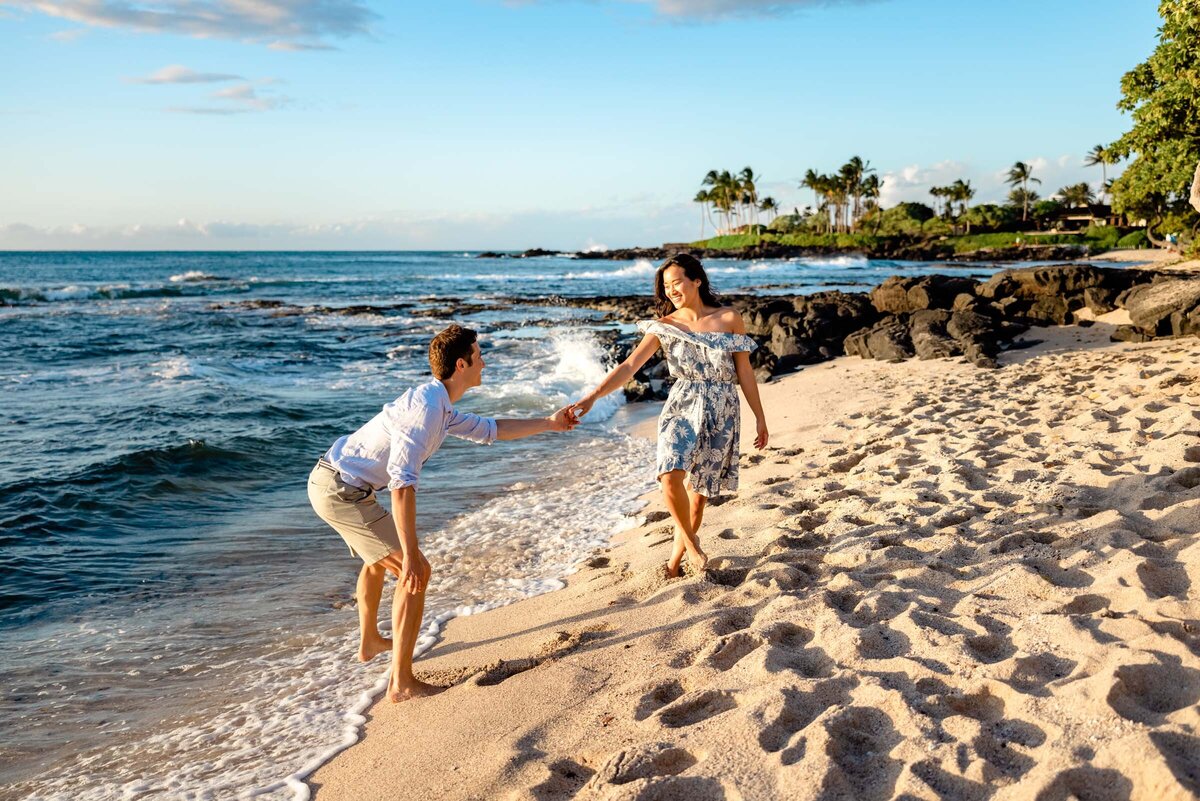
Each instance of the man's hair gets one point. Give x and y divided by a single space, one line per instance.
448 347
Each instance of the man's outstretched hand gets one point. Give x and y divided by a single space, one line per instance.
564 419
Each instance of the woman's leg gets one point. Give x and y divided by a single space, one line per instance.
696 502
680 506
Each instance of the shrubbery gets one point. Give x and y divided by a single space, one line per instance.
1137 239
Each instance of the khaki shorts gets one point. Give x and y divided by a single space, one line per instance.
354 513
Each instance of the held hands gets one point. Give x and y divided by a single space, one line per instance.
581 407
565 419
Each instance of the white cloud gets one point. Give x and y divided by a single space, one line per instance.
283 24
912 183
177 73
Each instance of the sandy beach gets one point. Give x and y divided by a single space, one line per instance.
1158 259
939 582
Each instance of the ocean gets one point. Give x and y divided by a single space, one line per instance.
177 623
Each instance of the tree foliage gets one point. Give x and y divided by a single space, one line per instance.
1162 94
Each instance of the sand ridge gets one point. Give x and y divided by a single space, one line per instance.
939 583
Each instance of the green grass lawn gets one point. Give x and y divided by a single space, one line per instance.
1104 238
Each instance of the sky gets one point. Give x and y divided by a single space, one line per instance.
484 124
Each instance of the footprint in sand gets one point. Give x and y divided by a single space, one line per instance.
1148 693
646 761
696 707
1032 674
858 744
728 651
797 710
566 778
1182 754
1093 784
659 696
947 785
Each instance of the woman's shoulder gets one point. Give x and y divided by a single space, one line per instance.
730 319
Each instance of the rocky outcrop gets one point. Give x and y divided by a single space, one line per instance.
939 316
1165 308
1051 295
900 294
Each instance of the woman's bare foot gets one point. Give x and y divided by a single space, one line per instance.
369 649
417 689
698 561
672 570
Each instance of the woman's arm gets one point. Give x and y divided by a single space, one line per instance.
619 375
749 385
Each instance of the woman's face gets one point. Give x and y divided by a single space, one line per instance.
681 290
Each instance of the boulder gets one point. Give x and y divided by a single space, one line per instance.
1100 299
898 294
1151 306
888 340
927 330
1029 283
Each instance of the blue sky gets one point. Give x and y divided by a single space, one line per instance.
467 124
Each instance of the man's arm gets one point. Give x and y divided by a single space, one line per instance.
562 420
410 571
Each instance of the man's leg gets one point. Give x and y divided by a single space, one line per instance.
370 589
680 507
407 609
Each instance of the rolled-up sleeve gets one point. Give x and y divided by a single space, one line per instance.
410 441
465 425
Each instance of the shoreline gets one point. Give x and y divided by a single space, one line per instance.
623 681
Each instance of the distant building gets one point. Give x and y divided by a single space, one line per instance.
1080 217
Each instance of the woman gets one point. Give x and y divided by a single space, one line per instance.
707 350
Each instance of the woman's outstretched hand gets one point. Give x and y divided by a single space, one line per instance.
760 441
581 408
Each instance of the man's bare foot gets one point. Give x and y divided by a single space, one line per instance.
418 689
369 649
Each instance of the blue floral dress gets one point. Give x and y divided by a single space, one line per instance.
700 423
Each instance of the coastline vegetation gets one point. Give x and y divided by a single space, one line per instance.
1148 204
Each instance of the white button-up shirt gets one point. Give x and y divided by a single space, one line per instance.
391 448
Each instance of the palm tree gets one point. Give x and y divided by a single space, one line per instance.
1079 194
962 191
1099 155
748 192
702 198
813 181
871 187
770 206
1022 173
940 193
1023 198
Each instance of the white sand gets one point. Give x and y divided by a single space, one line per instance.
1152 257
939 583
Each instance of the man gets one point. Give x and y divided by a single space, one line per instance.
388 452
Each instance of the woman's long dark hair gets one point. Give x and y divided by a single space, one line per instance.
694 271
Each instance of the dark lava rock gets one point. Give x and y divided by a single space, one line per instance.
927 331
1164 308
888 340
900 294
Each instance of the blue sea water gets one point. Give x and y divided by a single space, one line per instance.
163 583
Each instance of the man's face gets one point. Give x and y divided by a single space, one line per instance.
473 372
